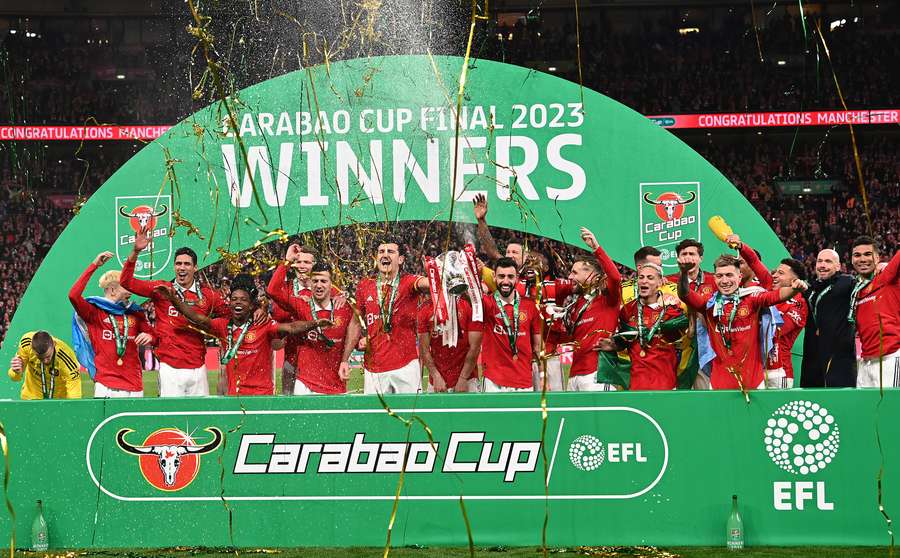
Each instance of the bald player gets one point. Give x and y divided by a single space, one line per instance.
829 348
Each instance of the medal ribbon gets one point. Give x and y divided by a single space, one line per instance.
570 322
231 346
512 334
719 309
854 295
386 312
296 286
181 290
314 309
121 339
819 297
46 394
646 338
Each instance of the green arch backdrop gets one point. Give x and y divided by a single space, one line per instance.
373 139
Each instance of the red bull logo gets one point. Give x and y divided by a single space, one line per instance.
143 216
169 458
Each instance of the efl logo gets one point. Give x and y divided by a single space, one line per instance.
802 438
169 458
670 213
134 213
587 453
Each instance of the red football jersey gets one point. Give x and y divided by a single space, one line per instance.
878 312
180 345
128 375
319 362
598 321
744 356
704 284
250 371
499 365
794 312
449 361
656 368
394 350
763 277
282 293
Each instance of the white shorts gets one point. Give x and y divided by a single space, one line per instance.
588 382
554 375
777 379
301 389
491 387
182 382
869 369
473 384
407 379
103 392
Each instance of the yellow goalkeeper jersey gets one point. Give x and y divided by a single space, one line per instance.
61 379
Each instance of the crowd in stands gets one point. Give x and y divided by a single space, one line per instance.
63 79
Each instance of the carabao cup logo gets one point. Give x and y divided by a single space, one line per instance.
801 437
169 458
670 213
144 213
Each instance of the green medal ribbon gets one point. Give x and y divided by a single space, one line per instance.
181 290
47 394
512 333
387 311
572 322
315 316
121 339
296 286
861 284
819 297
646 337
231 346
719 309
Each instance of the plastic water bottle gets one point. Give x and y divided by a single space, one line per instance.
39 540
735 527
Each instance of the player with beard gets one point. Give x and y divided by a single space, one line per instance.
593 315
115 328
324 369
733 322
388 303
246 344
450 368
829 347
289 288
48 366
779 365
512 333
182 350
690 254
650 327
875 311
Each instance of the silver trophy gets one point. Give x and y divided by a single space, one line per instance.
453 271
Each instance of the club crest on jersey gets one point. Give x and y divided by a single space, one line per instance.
134 213
670 213
169 458
743 312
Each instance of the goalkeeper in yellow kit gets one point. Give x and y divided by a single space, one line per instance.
49 366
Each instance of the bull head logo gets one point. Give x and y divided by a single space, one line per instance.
143 216
670 206
169 456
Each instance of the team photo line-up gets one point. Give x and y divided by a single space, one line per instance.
499 323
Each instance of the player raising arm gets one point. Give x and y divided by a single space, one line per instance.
245 344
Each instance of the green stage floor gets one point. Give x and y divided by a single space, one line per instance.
527 552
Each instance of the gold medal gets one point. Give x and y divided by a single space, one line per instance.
119 362
516 356
643 353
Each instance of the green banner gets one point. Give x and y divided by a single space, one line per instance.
621 468
374 140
